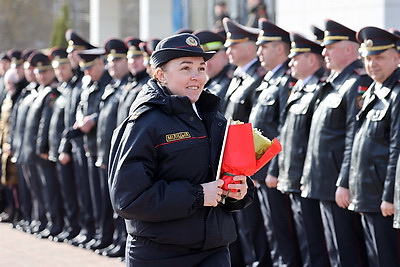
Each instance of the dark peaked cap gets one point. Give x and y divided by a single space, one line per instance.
4 56
318 33
269 32
300 45
115 48
177 46
335 32
58 56
210 41
15 56
75 42
237 33
132 43
375 41
89 56
40 61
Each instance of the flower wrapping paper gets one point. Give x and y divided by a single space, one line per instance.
239 157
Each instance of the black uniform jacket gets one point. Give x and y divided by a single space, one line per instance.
18 117
159 157
107 121
376 147
396 217
57 120
332 128
219 84
294 134
129 94
72 95
35 139
89 105
239 98
272 95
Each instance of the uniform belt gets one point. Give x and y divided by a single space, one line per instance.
148 242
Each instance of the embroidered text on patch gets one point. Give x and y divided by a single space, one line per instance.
177 136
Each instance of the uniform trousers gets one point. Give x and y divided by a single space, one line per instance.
80 169
106 223
279 226
95 190
310 232
381 239
24 195
66 180
142 252
344 235
52 196
252 236
36 188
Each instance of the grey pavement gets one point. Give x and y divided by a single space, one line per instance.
19 249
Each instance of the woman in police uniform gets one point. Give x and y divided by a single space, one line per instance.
163 165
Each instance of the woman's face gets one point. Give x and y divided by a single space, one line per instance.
184 76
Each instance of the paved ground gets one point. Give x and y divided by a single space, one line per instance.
19 249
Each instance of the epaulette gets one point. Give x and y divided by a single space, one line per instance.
360 71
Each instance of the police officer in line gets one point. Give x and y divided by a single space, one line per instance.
12 91
148 48
375 149
18 117
35 147
248 74
65 172
251 246
27 157
137 78
117 67
307 66
71 149
332 129
219 71
87 115
8 175
273 50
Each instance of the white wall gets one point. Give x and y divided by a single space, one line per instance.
155 19
105 21
299 15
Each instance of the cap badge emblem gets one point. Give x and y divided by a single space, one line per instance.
369 43
191 41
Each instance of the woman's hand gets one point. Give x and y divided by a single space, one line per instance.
240 187
212 192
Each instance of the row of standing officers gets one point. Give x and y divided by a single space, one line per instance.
329 197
